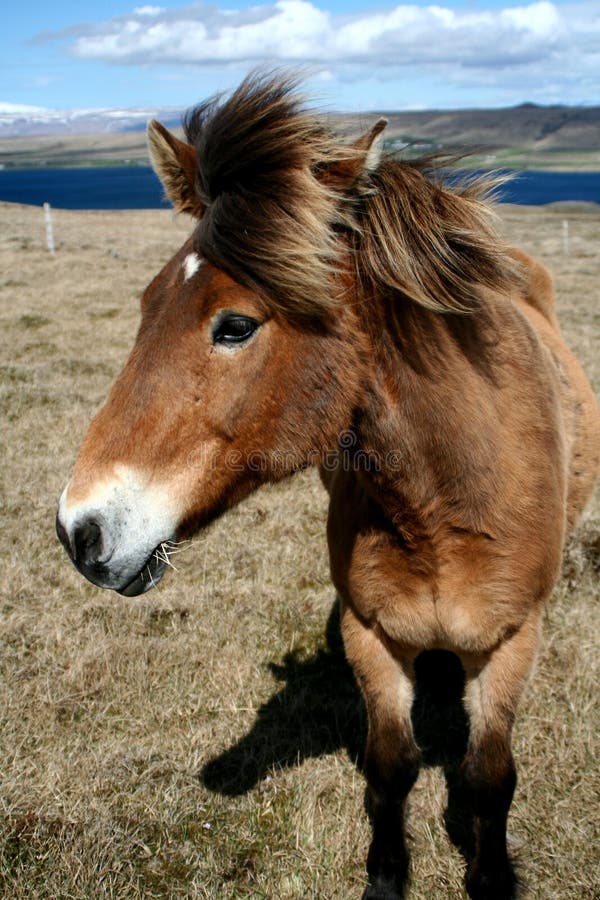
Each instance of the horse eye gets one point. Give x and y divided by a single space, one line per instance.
234 329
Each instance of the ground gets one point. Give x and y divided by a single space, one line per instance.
200 741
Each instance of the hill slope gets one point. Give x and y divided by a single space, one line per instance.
535 127
537 130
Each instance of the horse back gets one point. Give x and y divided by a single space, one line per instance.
538 286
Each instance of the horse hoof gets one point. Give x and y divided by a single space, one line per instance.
384 889
500 884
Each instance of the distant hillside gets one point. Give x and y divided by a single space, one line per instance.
531 126
527 135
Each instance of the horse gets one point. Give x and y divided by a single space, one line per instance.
336 306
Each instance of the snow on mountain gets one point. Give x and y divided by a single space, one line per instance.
20 120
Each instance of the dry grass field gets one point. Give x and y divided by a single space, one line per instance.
201 741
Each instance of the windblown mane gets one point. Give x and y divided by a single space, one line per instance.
275 205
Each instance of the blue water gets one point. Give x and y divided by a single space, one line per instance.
537 188
137 187
115 187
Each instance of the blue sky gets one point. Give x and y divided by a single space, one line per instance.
456 53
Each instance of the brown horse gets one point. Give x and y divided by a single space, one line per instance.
336 306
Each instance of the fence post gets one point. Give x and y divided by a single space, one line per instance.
49 231
565 238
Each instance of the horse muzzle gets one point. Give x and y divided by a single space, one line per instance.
119 536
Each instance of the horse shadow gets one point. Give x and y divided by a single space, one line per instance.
318 710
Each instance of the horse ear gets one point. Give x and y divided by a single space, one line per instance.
176 165
363 157
370 144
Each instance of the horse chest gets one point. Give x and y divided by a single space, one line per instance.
457 598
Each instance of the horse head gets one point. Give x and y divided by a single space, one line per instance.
247 362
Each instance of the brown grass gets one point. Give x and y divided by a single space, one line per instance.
112 709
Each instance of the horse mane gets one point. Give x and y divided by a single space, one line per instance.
271 182
430 240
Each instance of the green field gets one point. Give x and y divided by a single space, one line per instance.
542 160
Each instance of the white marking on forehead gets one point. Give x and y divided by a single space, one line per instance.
191 264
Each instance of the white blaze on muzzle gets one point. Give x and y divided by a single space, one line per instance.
115 535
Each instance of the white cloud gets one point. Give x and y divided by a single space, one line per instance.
20 109
533 44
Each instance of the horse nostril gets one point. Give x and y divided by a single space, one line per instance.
87 542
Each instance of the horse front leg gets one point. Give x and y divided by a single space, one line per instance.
392 757
487 777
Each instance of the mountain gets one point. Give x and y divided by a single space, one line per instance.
22 121
528 125
526 136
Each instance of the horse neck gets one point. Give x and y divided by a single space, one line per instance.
423 420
